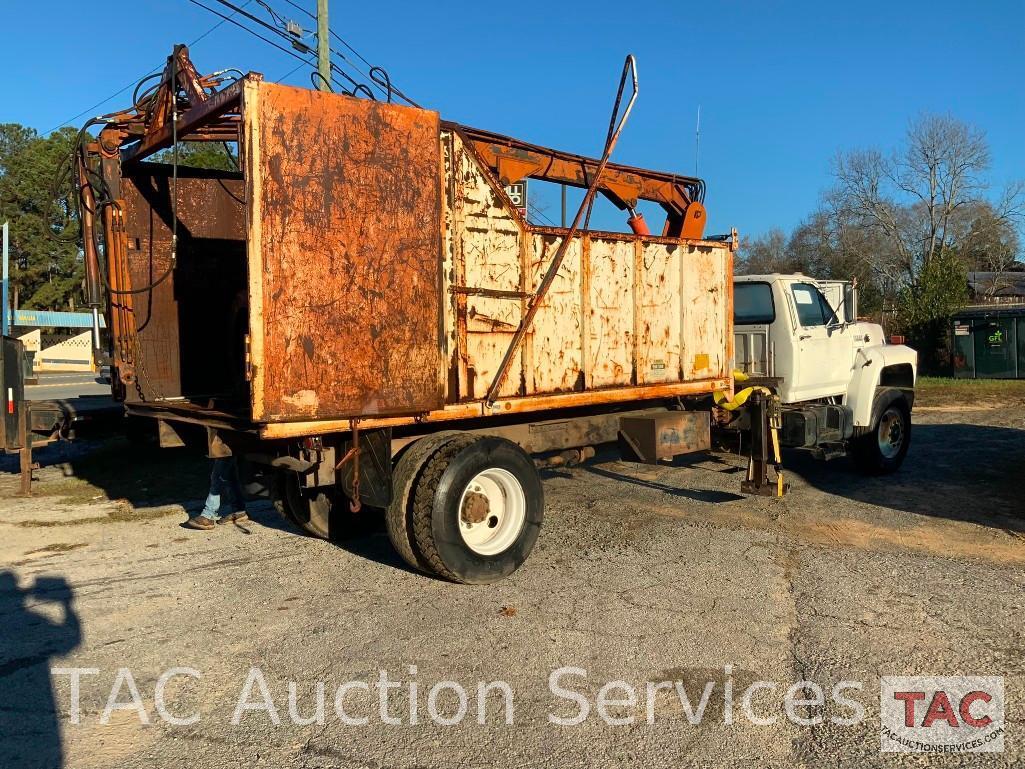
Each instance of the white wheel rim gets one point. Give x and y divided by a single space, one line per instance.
891 433
506 512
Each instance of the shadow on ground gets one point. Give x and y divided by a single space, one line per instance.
961 472
30 732
144 475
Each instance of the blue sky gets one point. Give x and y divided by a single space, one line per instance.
782 85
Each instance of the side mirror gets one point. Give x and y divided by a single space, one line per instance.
850 303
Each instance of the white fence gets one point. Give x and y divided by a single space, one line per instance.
74 354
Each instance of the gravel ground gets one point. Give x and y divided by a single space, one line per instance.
642 574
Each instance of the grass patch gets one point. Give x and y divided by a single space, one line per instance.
940 391
58 547
123 513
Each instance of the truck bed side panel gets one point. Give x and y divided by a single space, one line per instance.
622 311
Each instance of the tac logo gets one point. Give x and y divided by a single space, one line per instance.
941 714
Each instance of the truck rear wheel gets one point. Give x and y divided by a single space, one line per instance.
310 510
399 515
882 449
477 509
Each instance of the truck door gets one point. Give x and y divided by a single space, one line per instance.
823 346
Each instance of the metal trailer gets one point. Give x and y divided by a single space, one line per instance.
28 424
362 308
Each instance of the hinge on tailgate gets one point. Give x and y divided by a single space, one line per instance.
249 361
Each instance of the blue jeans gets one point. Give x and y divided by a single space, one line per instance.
224 481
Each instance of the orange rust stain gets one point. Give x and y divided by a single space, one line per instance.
351 241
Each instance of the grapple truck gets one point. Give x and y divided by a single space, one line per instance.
362 310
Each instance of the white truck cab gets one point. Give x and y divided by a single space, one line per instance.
843 388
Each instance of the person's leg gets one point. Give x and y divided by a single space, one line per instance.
209 516
233 488
213 500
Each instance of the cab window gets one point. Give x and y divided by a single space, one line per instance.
813 309
752 304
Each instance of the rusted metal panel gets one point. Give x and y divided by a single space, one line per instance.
659 315
707 315
667 434
486 257
345 255
554 344
614 316
186 325
610 360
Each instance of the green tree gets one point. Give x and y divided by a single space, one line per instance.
217 156
47 266
929 210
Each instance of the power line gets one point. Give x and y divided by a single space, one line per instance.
280 32
250 31
285 35
538 213
291 72
132 84
386 88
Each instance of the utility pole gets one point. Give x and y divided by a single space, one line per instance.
5 311
323 46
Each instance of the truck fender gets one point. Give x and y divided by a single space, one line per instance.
883 398
891 365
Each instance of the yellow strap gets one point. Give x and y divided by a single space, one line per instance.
739 399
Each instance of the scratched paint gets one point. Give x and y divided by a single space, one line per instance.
705 295
659 341
487 245
610 359
348 248
555 344
622 310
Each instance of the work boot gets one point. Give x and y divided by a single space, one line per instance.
200 522
236 517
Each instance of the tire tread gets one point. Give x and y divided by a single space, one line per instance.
423 502
398 517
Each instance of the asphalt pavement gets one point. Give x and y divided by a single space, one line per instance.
643 576
65 386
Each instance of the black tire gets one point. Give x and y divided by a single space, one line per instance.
399 515
278 498
882 449
439 492
316 512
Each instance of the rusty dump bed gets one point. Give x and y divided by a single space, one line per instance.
367 263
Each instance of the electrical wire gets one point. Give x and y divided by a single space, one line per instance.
384 84
290 73
134 82
264 24
539 214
